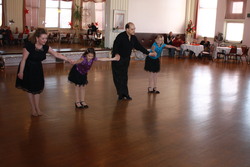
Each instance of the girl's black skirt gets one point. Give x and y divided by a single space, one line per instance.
77 78
152 65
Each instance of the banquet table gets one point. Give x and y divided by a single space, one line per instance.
197 49
226 50
15 36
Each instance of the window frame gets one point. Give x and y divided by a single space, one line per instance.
233 21
242 9
59 10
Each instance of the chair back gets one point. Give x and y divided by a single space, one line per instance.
68 35
244 49
233 49
20 35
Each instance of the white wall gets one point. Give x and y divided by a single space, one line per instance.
220 16
112 5
158 16
14 10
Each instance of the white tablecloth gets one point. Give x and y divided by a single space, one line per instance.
197 49
227 50
15 36
25 36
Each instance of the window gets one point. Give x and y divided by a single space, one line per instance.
234 31
93 13
1 8
58 13
234 20
237 7
206 18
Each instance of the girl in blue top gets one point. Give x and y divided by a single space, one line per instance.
152 63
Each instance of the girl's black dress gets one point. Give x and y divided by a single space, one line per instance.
33 78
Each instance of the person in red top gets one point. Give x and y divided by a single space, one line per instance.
26 30
177 42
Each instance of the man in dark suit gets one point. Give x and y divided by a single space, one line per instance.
123 45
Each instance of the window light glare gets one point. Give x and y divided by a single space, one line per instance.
237 7
231 29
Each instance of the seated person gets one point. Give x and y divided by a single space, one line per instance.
26 30
206 44
32 29
7 35
89 32
169 41
93 28
16 31
170 38
177 42
98 37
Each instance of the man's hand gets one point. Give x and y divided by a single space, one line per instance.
117 57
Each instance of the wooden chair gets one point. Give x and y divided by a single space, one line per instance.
209 53
56 37
222 53
245 50
232 53
50 38
65 39
71 38
20 38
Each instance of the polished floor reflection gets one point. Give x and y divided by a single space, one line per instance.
200 119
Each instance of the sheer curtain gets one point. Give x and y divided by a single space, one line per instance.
31 11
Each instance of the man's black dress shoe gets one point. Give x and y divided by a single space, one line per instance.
128 97
120 97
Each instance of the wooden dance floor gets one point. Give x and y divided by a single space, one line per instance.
201 118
